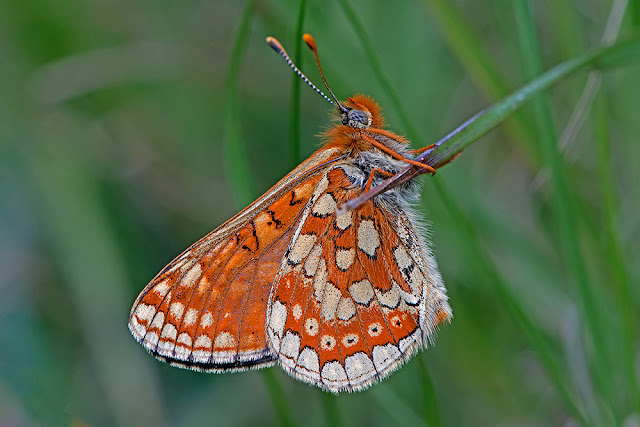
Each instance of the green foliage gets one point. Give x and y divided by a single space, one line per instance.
129 130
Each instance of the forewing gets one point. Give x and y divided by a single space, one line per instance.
206 310
356 294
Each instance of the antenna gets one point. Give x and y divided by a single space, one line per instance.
308 39
275 45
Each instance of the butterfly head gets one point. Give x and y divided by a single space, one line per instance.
360 112
357 119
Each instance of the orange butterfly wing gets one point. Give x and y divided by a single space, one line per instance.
207 309
357 295
340 301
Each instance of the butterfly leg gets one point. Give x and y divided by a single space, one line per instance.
430 147
423 149
398 156
373 173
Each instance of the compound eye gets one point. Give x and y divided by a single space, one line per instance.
359 117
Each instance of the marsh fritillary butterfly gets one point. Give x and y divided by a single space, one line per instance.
338 298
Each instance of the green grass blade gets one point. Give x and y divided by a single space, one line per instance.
331 409
618 270
283 411
237 167
622 53
619 54
565 208
431 413
294 108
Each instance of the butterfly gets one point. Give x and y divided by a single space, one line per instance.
339 298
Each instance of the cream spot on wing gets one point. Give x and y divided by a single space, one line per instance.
368 240
203 285
391 298
137 330
416 281
385 355
169 331
278 317
203 341
309 360
359 365
290 346
350 340
311 264
183 351
333 372
325 205
327 342
409 341
311 326
201 356
374 329
322 185
330 301
158 320
344 258
344 221
224 340
297 311
346 309
145 312
151 340
185 339
411 299
191 317
176 310
193 275
320 281
402 257
362 292
206 320
161 288
301 247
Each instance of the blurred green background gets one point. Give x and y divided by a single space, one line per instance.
128 130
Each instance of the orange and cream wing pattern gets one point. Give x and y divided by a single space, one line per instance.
207 309
356 294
